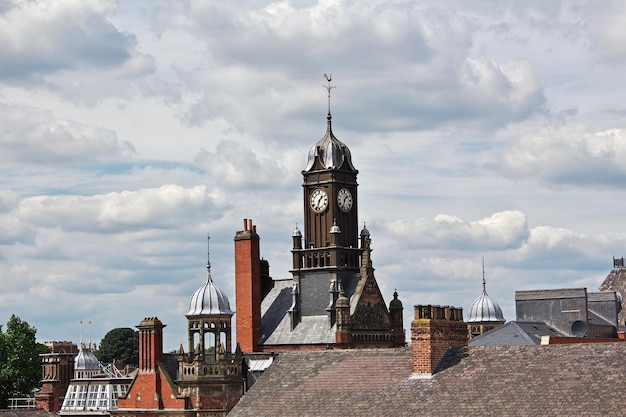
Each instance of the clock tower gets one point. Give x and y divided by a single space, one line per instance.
327 257
332 298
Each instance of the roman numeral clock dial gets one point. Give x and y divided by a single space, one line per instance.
319 200
344 200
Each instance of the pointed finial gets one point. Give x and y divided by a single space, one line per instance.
484 282
208 257
329 87
90 334
81 334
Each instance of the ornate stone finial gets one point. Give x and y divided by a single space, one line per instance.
329 87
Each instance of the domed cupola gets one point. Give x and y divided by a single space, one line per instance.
209 299
485 309
85 363
331 152
209 331
86 360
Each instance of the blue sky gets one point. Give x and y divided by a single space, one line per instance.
129 130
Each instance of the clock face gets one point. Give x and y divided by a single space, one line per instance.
344 199
319 200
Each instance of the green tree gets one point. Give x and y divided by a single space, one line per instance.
20 364
122 344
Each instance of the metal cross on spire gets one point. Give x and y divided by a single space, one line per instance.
329 78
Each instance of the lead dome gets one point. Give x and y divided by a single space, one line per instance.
209 299
86 360
331 152
485 309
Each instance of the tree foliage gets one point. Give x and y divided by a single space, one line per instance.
20 364
122 344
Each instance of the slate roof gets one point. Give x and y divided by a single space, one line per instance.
616 281
276 325
553 380
274 307
515 333
27 413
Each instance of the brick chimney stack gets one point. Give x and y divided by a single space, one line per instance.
150 344
434 330
248 287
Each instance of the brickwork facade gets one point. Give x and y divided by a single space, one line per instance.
434 330
248 287
57 368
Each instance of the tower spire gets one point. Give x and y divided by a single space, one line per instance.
208 257
484 282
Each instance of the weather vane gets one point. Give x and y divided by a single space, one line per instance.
329 78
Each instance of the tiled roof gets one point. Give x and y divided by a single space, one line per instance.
616 281
276 325
555 380
515 333
310 330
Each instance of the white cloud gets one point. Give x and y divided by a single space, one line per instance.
165 207
569 156
233 165
607 31
499 231
32 136
42 37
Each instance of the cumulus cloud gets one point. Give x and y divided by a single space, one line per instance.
606 25
555 247
501 230
512 87
570 156
432 82
32 136
164 207
233 165
8 200
43 36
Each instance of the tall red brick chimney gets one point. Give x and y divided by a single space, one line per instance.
248 287
150 344
434 330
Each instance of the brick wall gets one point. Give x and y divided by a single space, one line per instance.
150 343
433 330
150 391
248 287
